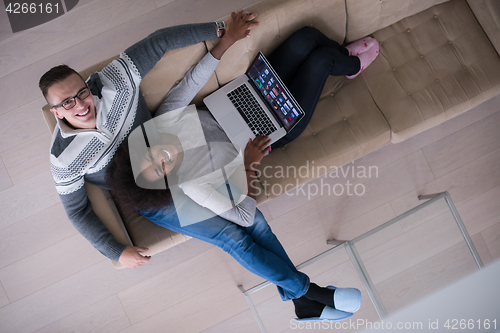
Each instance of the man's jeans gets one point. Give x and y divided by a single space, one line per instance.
304 61
256 248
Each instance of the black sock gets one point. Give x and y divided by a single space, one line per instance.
321 295
305 308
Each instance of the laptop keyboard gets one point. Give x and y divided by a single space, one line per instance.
246 104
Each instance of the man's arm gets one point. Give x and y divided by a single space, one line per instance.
80 213
147 52
238 27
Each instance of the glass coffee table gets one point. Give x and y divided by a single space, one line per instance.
396 263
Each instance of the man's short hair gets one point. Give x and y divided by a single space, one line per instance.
54 75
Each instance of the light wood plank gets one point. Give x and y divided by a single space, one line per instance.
265 211
478 213
392 152
22 124
189 278
379 239
410 248
5 181
22 85
160 3
243 322
411 171
423 215
323 229
426 277
214 12
482 249
52 264
492 238
27 198
4 299
87 287
463 184
28 159
61 33
5 29
106 316
204 309
34 233
464 146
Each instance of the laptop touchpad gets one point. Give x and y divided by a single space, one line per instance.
233 124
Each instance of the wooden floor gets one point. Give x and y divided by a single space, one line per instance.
53 280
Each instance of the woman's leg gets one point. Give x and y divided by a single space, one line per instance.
291 54
256 248
308 83
304 61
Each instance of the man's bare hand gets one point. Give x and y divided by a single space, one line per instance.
131 257
239 24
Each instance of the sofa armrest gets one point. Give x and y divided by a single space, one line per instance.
487 13
105 208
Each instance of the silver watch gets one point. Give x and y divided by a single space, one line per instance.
221 27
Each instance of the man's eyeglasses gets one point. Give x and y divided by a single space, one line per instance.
70 102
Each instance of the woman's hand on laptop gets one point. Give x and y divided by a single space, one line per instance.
255 151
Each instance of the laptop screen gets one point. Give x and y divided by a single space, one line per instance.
274 92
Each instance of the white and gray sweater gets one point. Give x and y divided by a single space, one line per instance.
84 154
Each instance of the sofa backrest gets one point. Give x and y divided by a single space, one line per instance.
367 16
278 19
171 68
487 13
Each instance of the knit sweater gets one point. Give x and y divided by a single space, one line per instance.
79 155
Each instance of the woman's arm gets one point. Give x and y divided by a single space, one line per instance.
238 27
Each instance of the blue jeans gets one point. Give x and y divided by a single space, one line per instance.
256 248
304 61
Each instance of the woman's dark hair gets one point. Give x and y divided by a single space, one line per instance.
120 178
54 75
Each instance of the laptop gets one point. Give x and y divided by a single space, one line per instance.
254 103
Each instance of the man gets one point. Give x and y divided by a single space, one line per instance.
94 117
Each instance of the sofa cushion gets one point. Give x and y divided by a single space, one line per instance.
366 16
433 66
346 125
278 19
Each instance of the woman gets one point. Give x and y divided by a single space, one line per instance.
304 62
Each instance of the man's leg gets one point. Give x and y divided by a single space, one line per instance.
269 262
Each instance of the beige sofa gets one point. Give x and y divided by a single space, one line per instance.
438 59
